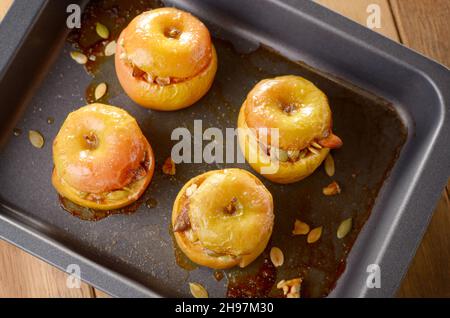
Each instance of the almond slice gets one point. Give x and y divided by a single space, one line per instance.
276 256
314 235
329 165
100 91
300 228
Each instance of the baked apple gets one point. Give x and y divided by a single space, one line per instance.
165 59
102 160
223 218
302 117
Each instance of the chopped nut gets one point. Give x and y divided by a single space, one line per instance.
149 77
198 291
332 189
344 228
314 235
316 145
332 142
137 72
169 167
291 288
329 165
300 228
281 284
182 223
276 256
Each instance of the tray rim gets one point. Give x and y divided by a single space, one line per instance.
38 244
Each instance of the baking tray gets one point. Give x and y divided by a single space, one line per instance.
134 255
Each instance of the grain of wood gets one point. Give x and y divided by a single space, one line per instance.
357 11
23 275
100 294
423 25
4 6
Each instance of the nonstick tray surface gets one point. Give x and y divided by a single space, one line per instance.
135 255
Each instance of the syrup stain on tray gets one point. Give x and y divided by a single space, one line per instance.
371 129
88 214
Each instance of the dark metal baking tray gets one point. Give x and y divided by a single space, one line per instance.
133 255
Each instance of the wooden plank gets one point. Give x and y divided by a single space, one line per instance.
4 6
101 294
23 275
424 26
357 11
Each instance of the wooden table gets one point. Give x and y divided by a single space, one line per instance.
420 24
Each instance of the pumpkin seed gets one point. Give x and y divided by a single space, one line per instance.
313 150
79 57
276 256
300 228
279 154
102 31
314 235
291 288
198 291
344 228
117 195
36 138
100 91
293 154
329 165
110 48
303 153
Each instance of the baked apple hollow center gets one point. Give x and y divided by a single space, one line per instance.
289 108
172 32
91 140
